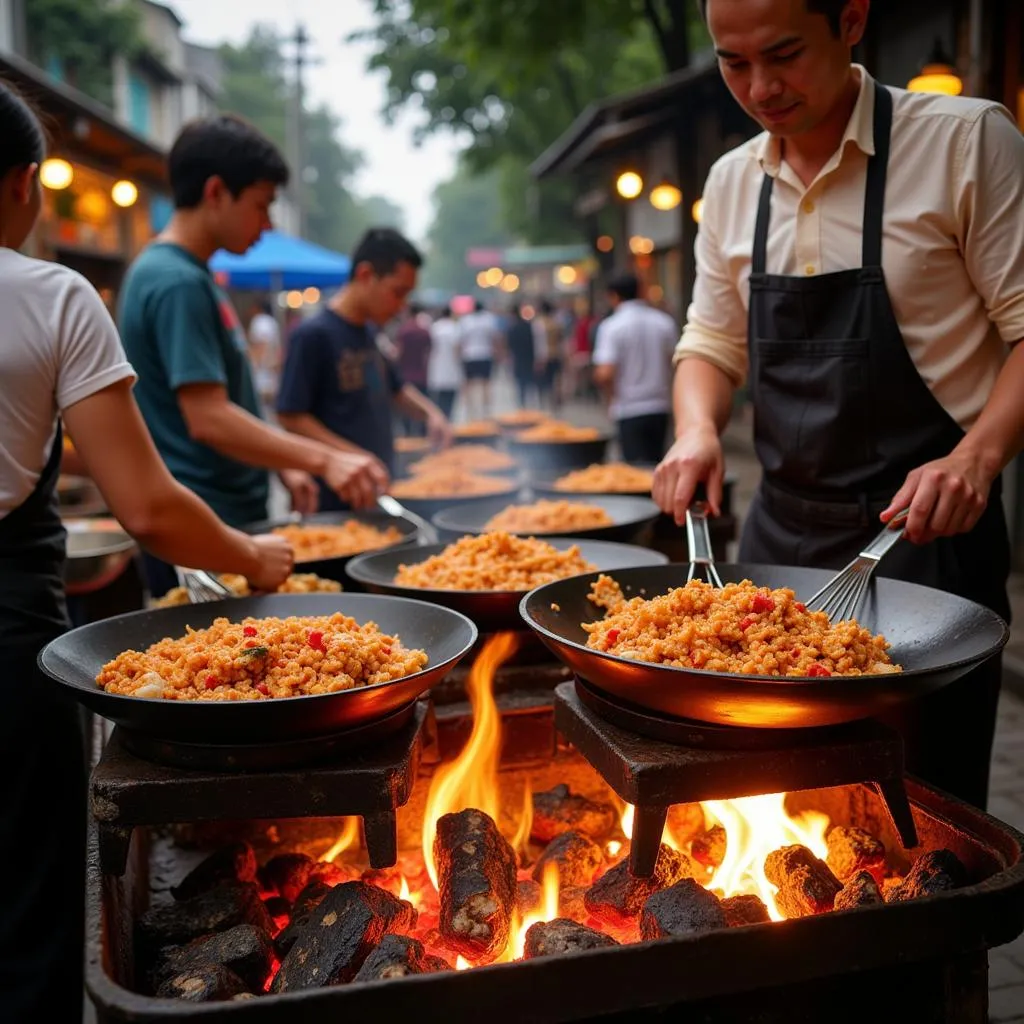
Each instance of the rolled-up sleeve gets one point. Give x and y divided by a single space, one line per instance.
716 322
990 214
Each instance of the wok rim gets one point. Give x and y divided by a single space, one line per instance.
794 682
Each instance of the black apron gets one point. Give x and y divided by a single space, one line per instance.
841 415
43 787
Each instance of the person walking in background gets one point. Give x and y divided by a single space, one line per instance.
547 340
480 337
412 356
337 388
633 366
265 352
522 355
444 368
184 338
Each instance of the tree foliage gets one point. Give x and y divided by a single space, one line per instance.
84 36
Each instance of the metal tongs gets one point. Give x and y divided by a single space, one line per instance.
203 586
698 542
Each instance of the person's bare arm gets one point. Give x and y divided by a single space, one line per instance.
166 518
412 402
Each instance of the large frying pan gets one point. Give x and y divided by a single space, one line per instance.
492 610
334 568
632 518
936 637
74 660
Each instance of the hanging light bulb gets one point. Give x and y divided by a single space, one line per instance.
937 74
665 196
629 184
56 174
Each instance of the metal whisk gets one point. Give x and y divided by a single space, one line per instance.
698 541
841 596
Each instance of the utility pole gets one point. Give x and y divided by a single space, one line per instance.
297 123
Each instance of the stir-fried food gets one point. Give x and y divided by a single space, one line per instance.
335 540
556 430
450 483
494 561
739 628
466 458
297 583
476 428
550 517
256 659
607 478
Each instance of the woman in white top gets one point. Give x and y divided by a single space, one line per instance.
61 362
444 367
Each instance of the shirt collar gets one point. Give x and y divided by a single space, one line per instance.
859 130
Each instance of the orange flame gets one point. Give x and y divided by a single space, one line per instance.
521 840
462 964
547 911
346 840
471 779
628 813
754 827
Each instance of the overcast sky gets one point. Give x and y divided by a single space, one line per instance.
395 168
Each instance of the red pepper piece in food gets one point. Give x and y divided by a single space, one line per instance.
763 604
386 651
800 606
818 670
211 682
249 630
263 688
316 640
613 635
747 621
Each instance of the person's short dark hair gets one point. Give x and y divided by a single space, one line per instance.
626 286
545 307
415 309
226 147
384 249
22 132
478 306
446 313
832 9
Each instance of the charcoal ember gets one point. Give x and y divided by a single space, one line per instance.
745 909
476 884
933 872
528 896
287 874
889 885
559 810
234 862
278 907
348 922
209 984
860 891
805 883
709 847
560 936
686 908
389 879
244 950
333 874
852 850
302 910
617 896
398 956
571 903
685 822
577 857
223 907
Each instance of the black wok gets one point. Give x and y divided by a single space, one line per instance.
632 518
542 482
936 637
491 610
74 660
334 568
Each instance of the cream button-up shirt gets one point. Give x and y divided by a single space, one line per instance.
952 246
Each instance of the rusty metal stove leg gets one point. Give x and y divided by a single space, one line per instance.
897 805
113 843
645 842
380 830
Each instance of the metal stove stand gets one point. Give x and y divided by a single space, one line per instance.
653 763
372 782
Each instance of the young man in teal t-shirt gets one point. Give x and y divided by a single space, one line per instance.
185 341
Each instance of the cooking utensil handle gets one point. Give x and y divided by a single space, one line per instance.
394 508
698 536
891 533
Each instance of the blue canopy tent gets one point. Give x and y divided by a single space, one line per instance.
280 262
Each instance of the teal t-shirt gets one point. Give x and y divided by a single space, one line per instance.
179 328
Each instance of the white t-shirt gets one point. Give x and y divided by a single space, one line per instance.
638 340
444 366
263 331
58 345
479 331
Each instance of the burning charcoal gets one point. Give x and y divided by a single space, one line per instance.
558 810
348 922
859 891
852 850
221 908
389 879
528 896
709 848
209 984
617 896
302 910
933 872
685 908
553 938
332 874
745 909
235 862
397 956
806 885
244 950
278 907
578 859
685 822
571 903
287 874
476 869
889 885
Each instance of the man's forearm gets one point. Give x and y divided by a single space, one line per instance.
305 425
998 434
701 396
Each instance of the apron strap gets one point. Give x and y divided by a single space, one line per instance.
759 257
874 191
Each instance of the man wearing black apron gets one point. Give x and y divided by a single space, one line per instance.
44 734
843 420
